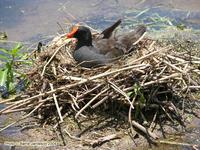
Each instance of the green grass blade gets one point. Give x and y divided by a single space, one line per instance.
3 77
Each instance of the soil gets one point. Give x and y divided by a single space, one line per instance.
33 136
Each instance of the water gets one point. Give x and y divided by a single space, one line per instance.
27 20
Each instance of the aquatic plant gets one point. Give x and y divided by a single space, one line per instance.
9 73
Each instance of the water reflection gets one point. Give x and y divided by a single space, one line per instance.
25 19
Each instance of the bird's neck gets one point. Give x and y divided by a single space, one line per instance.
81 43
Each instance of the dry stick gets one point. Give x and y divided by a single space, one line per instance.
68 52
79 83
130 114
194 57
101 140
178 143
24 109
71 136
100 102
56 125
148 55
54 69
74 99
89 91
143 129
153 121
21 103
56 103
168 115
136 42
57 50
116 88
181 60
174 67
175 58
151 45
24 117
104 99
72 78
185 68
88 104
162 71
196 71
95 142
27 108
13 106
193 87
153 82
17 110
72 105
10 99
161 79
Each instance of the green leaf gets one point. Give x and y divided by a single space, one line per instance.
129 93
24 56
11 87
16 49
4 57
10 75
3 76
25 62
4 51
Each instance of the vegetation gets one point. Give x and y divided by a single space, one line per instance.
9 74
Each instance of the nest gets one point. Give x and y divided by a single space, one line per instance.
152 77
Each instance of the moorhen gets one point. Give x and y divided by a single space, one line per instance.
104 50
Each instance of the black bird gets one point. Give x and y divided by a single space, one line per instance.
105 50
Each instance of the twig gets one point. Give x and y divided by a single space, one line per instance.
100 102
174 67
162 79
121 92
56 103
57 50
21 103
143 129
99 141
10 99
148 55
89 91
24 117
178 143
104 139
72 137
168 115
88 104
82 82
130 114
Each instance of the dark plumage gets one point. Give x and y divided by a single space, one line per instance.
104 50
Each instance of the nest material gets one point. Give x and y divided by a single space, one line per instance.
147 78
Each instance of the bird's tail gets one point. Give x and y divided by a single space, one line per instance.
108 31
132 38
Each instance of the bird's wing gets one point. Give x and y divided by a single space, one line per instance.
131 37
88 57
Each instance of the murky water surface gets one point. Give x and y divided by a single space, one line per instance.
33 20
25 20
